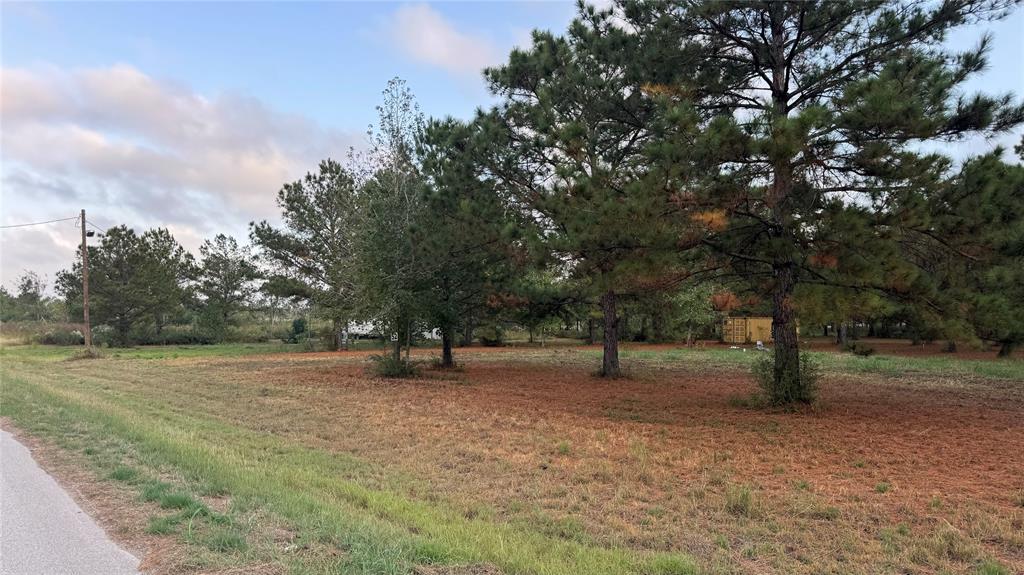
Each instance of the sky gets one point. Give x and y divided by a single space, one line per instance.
191 116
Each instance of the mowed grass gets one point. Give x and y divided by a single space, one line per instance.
374 531
310 446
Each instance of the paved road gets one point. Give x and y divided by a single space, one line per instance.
42 530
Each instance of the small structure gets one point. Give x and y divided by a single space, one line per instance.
747 329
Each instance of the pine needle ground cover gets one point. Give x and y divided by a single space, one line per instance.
245 459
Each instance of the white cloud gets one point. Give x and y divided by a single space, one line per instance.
141 151
424 35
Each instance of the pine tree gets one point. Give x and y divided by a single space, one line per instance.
976 243
463 236
133 279
821 109
315 248
167 269
568 144
226 277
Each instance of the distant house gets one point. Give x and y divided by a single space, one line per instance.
747 329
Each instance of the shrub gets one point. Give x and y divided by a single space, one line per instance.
173 335
858 349
385 365
299 330
787 392
491 336
61 336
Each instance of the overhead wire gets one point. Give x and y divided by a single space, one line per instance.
38 223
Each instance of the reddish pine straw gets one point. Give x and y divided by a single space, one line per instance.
647 461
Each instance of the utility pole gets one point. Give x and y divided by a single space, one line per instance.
85 287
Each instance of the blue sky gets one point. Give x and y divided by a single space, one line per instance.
325 60
191 115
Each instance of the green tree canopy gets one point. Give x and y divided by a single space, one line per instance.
315 248
225 282
133 280
568 145
820 110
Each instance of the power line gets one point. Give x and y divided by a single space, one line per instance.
98 229
38 223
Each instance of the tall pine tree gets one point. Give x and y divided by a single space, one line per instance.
822 108
568 144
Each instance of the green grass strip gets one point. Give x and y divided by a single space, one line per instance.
380 532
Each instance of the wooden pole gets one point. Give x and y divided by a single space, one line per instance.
85 287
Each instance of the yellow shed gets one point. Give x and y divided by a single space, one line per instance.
747 329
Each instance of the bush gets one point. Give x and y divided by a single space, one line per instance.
861 350
173 335
491 336
385 365
299 330
787 392
61 336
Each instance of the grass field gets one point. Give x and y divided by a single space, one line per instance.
258 459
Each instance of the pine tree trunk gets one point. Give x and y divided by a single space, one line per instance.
446 347
338 337
610 358
787 384
842 335
590 331
467 334
408 341
1007 348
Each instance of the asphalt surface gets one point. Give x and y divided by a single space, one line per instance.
42 530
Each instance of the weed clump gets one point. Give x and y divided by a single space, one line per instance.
87 353
124 473
739 500
790 391
672 565
989 567
385 365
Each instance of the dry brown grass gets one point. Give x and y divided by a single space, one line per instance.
654 461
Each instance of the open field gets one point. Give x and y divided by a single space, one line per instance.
259 459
